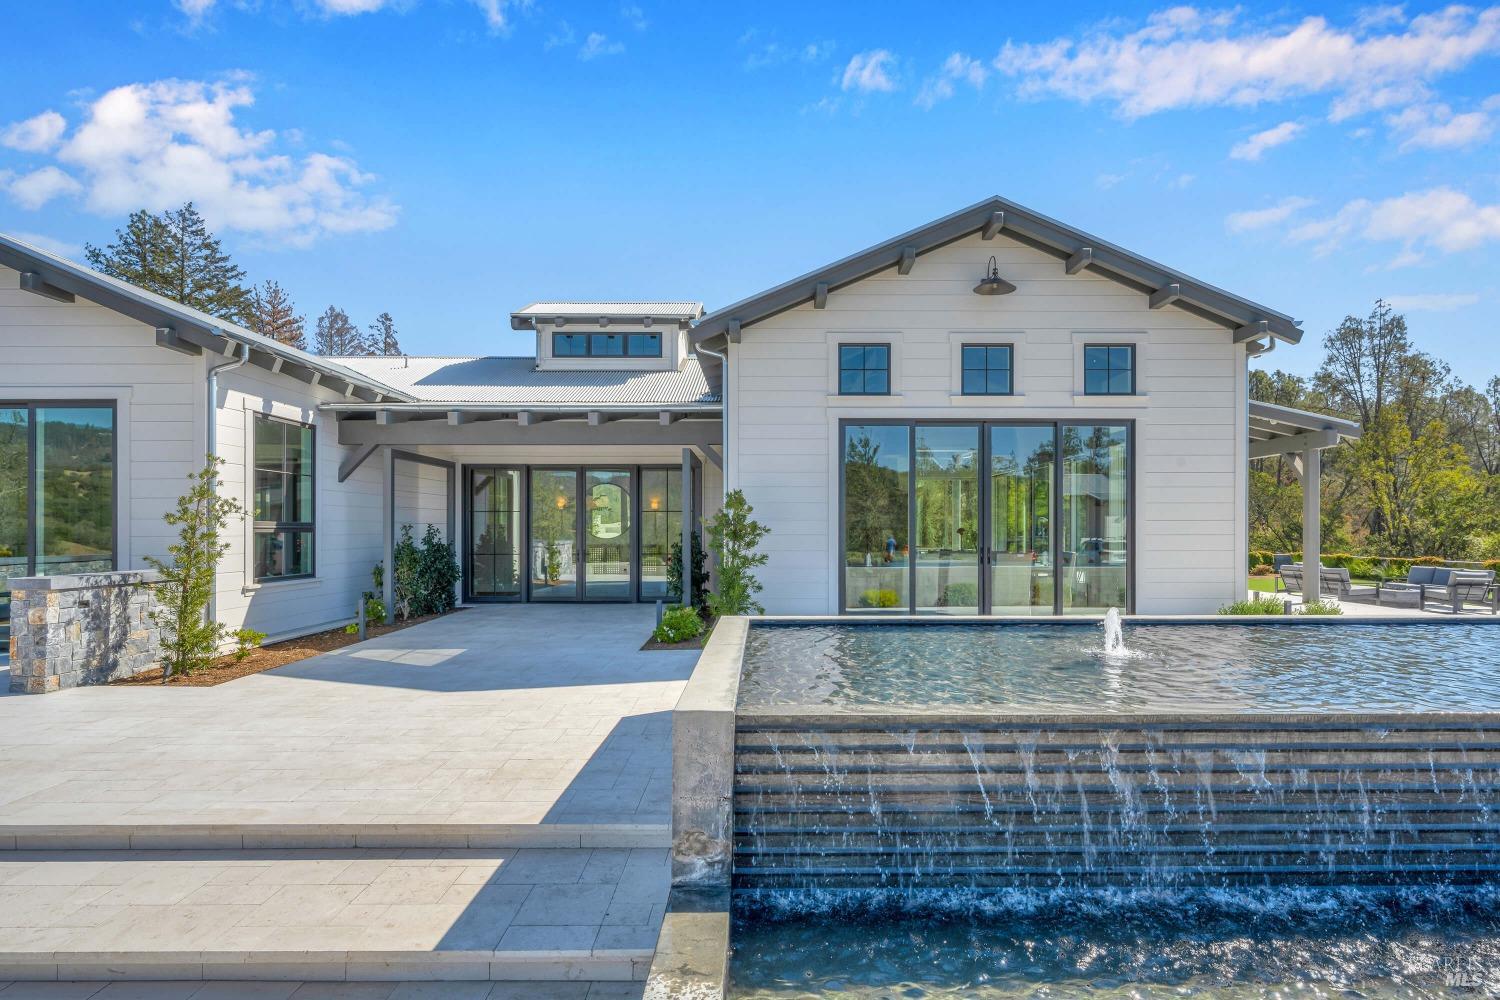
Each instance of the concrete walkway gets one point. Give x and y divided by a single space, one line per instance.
229 990
515 725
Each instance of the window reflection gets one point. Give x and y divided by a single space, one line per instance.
877 466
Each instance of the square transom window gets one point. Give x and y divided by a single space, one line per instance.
606 345
864 369
987 370
1109 370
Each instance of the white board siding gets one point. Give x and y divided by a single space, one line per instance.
347 538
78 350
421 498
1190 458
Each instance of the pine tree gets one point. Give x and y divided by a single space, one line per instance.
383 335
273 315
174 255
337 337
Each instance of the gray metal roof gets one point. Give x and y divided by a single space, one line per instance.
1080 250
517 381
198 329
666 310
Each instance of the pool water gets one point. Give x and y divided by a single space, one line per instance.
1056 668
1282 943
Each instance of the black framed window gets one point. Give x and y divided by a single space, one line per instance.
864 369
987 370
1109 370
285 497
58 478
606 345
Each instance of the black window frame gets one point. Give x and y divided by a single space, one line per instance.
1010 368
1108 369
259 527
626 341
32 497
864 369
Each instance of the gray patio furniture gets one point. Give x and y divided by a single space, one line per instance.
1333 581
1454 587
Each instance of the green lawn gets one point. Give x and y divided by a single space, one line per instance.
1267 584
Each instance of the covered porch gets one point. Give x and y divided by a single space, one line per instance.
554 504
1303 437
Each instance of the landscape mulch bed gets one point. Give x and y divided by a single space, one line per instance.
698 643
269 657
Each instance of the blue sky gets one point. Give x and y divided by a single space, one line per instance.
451 160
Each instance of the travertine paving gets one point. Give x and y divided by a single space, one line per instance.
230 990
332 915
530 716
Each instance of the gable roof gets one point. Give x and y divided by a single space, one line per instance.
517 381
673 311
1081 250
188 330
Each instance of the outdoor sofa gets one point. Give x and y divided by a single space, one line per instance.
1455 587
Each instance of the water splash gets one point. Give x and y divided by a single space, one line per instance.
1114 634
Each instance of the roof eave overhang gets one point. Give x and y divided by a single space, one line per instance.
580 409
1248 319
184 332
529 321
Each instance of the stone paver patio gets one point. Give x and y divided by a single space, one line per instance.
541 725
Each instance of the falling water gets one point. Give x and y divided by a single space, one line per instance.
1114 634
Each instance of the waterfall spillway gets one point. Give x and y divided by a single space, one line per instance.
934 801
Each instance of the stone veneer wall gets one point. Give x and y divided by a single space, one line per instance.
85 629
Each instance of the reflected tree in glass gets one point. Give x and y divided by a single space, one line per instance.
876 470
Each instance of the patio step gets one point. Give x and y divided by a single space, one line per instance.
318 836
332 915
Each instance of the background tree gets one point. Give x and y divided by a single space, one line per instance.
273 315
383 336
174 255
336 336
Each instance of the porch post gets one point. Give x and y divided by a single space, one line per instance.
688 514
1312 523
388 532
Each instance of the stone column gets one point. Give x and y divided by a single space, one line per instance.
88 628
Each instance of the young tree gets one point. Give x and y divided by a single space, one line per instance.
383 336
336 336
733 535
174 255
189 639
273 315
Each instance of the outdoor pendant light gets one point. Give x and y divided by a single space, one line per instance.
992 283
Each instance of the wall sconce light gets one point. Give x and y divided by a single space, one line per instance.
992 283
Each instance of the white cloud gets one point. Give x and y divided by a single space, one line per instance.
957 67
196 10
156 145
596 45
774 53
1436 126
564 35
867 72
1255 146
1185 57
35 135
1260 218
634 16
1438 219
35 189
1106 181
1431 301
496 12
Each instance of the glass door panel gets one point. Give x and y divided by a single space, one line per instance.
494 533
1020 511
877 472
608 541
661 527
554 534
15 548
75 471
1095 517
947 519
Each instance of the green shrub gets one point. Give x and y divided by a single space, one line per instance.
1262 569
699 597
960 595
880 599
246 641
1321 608
678 625
1261 557
426 577
733 535
1255 606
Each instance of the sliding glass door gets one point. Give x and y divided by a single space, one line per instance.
494 534
661 527
57 490
609 540
1006 518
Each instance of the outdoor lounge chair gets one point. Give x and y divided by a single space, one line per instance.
1455 587
1332 582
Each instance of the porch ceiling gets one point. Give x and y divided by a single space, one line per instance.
1281 430
419 424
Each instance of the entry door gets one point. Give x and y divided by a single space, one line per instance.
495 566
1019 554
582 544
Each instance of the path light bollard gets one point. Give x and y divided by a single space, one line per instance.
363 631
1286 606
659 612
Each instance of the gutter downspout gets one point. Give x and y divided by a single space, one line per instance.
723 401
213 445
